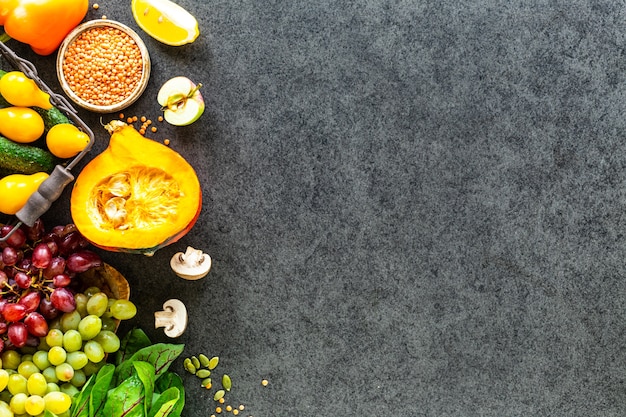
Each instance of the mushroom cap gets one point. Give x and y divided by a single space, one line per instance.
191 265
173 318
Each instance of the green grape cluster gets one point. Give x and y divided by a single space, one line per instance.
49 376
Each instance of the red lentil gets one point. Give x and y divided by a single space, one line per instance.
154 129
229 408
96 6
103 66
160 118
166 142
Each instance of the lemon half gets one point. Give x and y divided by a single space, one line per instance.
165 21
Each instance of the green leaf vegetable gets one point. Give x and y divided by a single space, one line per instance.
138 384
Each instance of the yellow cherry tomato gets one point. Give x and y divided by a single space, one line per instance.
21 124
19 90
65 140
16 189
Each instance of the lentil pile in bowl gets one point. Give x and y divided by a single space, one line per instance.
103 66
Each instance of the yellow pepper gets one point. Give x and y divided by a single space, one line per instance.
16 189
42 24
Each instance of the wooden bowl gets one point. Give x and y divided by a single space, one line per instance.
79 98
109 280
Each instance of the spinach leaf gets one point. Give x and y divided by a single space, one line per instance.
166 404
172 380
126 400
132 341
160 355
93 393
145 372
100 389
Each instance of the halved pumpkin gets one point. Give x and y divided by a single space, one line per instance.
136 196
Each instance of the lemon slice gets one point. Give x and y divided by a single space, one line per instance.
165 21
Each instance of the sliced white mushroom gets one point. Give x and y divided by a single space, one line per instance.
173 318
191 265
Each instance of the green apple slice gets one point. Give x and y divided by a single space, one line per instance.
181 101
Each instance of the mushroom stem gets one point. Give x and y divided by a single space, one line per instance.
173 318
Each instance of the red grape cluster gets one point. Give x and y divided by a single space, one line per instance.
37 268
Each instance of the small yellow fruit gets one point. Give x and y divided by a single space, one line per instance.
66 141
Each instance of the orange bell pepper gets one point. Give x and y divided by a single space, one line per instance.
42 24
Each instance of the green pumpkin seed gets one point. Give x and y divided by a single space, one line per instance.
204 361
206 381
195 362
213 362
219 394
189 366
203 373
226 382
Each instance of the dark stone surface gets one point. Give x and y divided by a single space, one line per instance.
414 208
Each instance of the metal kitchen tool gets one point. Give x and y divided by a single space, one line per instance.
52 188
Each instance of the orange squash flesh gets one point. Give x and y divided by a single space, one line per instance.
136 196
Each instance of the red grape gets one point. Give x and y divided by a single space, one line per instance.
61 280
41 256
35 232
17 238
82 261
56 267
63 300
13 312
3 328
23 280
47 309
36 324
31 301
18 334
11 256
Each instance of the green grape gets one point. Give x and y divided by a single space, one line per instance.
89 292
98 304
26 356
90 326
81 303
54 337
40 359
57 355
43 345
57 402
11 359
5 396
4 379
79 379
27 368
52 387
37 384
72 341
55 323
92 367
109 323
17 384
108 340
70 321
77 360
35 405
51 374
64 372
5 409
94 351
123 309
18 403
69 389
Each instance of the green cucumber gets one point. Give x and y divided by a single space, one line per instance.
18 158
51 117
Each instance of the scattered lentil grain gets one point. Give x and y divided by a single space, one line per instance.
221 400
218 410
160 119
264 382
229 408
166 142
235 412
241 407
154 129
96 6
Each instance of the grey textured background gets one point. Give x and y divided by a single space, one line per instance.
414 208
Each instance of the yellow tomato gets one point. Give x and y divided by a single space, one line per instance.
65 140
21 124
16 189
